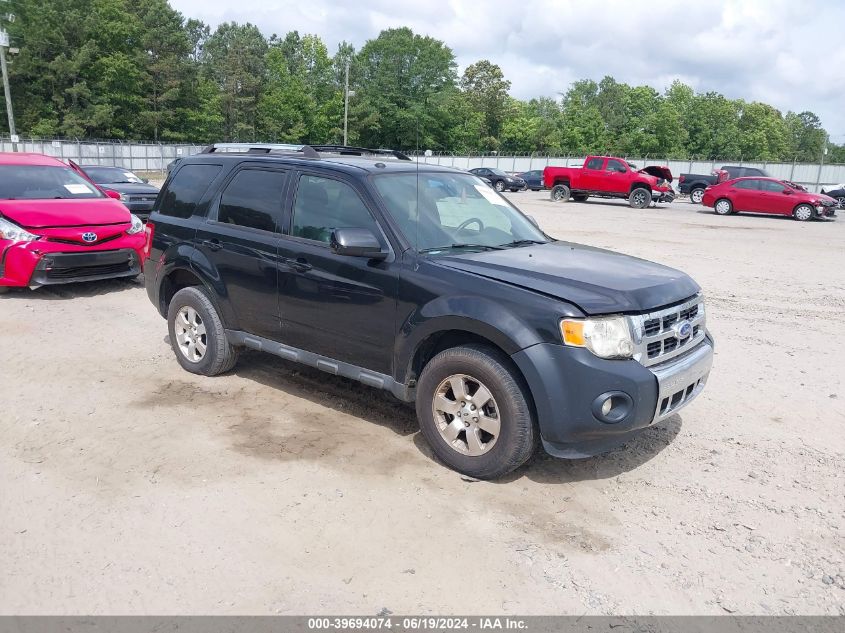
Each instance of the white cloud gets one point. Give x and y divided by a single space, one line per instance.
778 51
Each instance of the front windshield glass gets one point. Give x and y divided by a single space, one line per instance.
41 182
111 175
455 211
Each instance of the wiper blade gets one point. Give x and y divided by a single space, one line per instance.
449 247
522 243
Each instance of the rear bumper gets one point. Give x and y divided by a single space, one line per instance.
42 263
568 383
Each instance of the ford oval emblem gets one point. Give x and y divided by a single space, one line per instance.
683 329
89 237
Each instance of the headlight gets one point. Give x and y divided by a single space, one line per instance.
10 231
137 225
606 337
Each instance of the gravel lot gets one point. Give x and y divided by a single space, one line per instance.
130 486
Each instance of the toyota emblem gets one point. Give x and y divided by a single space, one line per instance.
89 237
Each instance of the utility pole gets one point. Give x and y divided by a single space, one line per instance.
345 104
4 44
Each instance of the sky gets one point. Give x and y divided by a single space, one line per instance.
781 52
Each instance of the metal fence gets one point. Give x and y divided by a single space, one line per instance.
139 156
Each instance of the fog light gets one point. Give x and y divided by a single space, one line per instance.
612 407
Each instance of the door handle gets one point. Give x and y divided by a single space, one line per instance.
300 264
212 245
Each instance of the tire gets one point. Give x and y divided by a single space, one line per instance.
579 197
696 195
840 202
803 212
219 356
560 193
4 290
639 198
723 206
499 186
507 412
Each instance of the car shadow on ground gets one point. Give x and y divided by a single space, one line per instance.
63 292
379 407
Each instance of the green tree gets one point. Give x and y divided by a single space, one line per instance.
487 90
234 58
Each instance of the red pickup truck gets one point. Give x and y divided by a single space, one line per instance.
610 177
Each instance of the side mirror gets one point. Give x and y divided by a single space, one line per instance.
787 191
356 243
113 194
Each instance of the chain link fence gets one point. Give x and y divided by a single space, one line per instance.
154 157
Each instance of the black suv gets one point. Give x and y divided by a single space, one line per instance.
423 281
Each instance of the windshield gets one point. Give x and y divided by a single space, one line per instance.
498 172
455 210
111 175
40 182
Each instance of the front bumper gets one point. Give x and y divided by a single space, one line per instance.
42 263
565 383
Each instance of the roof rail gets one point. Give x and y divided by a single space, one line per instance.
259 148
309 151
349 150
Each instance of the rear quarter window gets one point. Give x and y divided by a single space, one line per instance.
186 189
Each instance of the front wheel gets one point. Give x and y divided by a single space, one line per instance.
723 207
696 196
840 202
803 212
560 193
474 411
499 186
639 198
197 335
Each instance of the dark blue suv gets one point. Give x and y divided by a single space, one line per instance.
423 281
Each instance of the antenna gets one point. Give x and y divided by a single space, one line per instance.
417 224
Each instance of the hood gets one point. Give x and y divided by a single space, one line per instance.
34 214
596 280
130 187
657 172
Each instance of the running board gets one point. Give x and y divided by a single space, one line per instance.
323 363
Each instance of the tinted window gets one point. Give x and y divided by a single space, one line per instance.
253 199
774 187
111 175
324 204
615 165
747 184
186 189
594 163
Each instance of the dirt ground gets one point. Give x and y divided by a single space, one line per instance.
130 486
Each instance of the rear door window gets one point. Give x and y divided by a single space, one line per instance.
594 163
186 189
253 199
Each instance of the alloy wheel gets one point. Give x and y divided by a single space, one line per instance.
697 196
466 415
190 332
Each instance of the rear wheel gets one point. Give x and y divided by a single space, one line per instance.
639 198
197 335
474 412
803 212
723 207
696 196
560 193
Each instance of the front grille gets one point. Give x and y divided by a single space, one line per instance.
674 401
79 242
88 271
656 336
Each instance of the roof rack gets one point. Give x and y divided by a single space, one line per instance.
308 151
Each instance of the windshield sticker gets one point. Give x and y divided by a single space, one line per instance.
78 188
489 194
